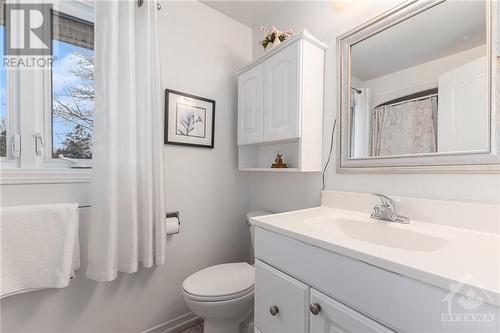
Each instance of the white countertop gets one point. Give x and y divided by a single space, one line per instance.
460 256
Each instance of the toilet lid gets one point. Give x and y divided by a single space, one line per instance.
219 282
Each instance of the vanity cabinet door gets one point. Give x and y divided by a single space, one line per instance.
250 105
329 316
280 301
281 94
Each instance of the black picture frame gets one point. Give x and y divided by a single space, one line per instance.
169 92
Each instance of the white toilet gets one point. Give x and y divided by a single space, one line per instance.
222 294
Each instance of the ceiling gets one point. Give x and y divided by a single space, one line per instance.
433 34
247 12
443 30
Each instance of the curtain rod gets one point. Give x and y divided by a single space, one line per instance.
407 101
356 90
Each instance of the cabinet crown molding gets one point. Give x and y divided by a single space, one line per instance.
304 34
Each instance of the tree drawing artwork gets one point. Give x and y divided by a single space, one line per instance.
75 107
188 122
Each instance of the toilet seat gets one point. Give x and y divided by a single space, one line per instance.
200 298
220 282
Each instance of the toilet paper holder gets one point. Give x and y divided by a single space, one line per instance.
176 215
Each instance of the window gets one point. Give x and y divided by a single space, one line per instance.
3 92
3 101
72 87
48 112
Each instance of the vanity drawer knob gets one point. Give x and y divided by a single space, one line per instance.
315 308
274 310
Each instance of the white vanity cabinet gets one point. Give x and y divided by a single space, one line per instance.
280 301
284 304
280 107
328 315
353 296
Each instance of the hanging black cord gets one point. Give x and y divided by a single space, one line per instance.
329 153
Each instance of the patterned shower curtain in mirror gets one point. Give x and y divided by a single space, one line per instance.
128 201
406 128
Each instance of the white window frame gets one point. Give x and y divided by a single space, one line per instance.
83 10
12 106
29 103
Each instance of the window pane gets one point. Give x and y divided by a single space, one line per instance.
3 101
72 98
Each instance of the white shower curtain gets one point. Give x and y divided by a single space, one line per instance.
406 128
360 107
127 214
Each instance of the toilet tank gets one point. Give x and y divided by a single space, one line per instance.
252 239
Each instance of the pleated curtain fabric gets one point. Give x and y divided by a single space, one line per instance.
128 201
406 128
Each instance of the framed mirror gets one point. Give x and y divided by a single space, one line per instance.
418 90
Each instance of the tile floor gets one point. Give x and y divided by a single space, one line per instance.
197 328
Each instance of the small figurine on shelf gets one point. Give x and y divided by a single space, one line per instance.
278 161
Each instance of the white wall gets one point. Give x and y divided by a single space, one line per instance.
327 20
201 50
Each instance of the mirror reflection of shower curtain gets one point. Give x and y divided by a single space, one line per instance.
407 128
360 122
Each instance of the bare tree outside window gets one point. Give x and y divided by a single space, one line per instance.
73 102
72 86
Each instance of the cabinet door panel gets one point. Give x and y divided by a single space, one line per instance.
281 94
461 91
289 296
250 105
335 317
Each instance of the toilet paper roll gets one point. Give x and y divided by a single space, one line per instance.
172 225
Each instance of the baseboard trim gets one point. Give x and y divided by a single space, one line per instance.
175 325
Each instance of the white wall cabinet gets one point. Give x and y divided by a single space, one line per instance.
250 106
280 107
281 94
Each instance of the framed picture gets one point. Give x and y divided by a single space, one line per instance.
189 120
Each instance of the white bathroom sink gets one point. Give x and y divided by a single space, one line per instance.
436 254
377 232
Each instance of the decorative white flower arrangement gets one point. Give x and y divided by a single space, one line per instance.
274 36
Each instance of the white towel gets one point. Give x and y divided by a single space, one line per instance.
40 247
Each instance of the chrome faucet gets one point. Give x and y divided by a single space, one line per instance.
386 211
